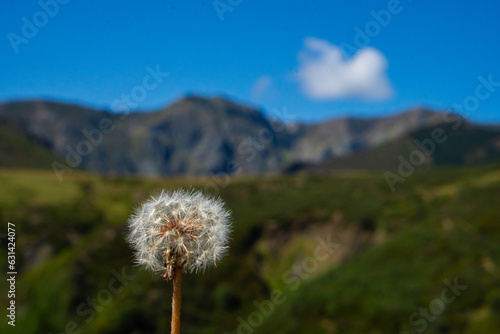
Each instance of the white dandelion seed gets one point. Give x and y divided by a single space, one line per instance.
179 230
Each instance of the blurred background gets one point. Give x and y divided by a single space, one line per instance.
356 144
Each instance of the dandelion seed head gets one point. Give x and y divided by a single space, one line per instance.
183 229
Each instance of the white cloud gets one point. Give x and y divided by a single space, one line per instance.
326 73
261 86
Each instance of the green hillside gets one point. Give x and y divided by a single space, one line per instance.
390 255
18 151
466 144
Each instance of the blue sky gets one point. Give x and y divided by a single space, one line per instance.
268 54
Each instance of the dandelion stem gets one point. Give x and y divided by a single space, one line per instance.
176 301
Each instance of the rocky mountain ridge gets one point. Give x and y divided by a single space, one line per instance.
198 136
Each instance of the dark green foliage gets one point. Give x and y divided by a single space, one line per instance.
438 225
18 151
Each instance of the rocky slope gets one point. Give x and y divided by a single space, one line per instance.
197 135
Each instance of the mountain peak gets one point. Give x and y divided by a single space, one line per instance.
202 135
215 104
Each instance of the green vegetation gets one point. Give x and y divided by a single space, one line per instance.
17 151
458 144
393 255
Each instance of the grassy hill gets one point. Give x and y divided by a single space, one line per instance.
466 144
18 151
390 255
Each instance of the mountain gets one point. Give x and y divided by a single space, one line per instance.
192 136
18 151
467 144
340 137
197 135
